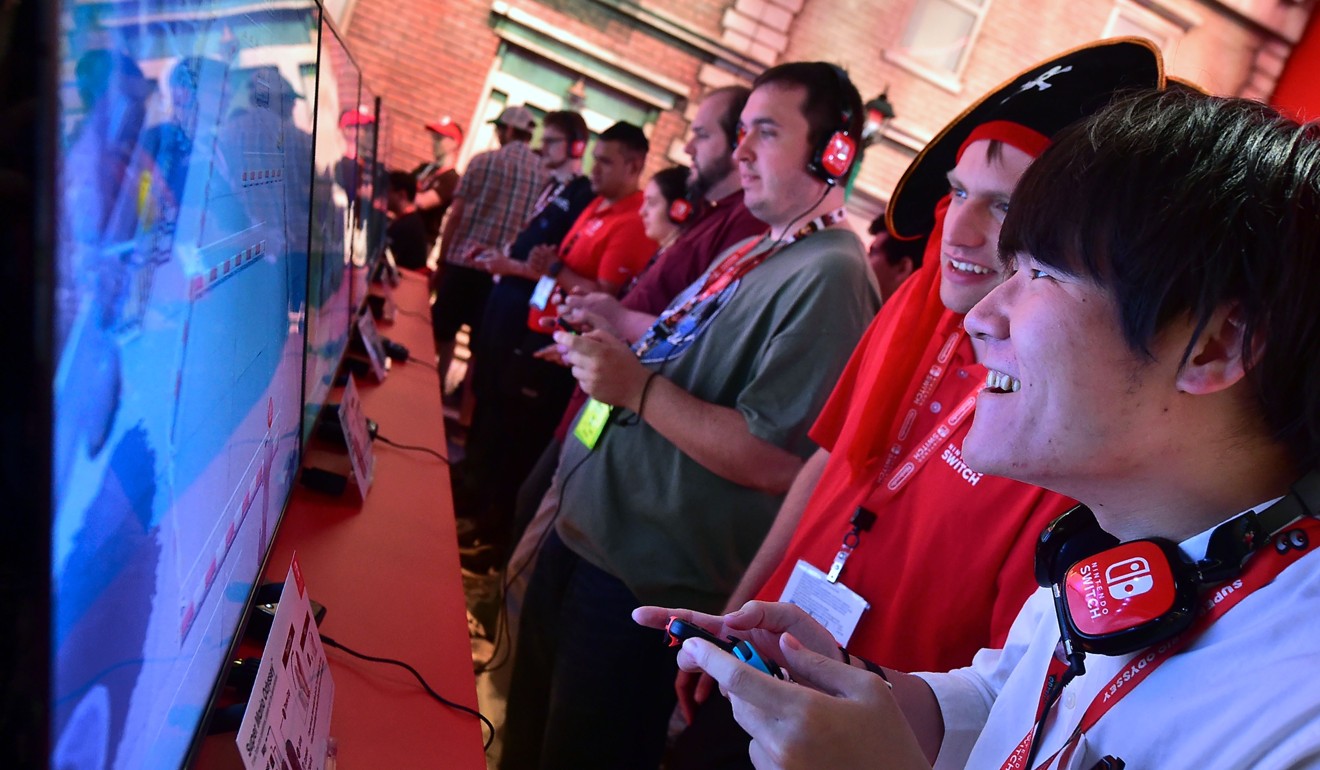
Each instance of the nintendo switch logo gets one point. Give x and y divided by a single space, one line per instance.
1129 578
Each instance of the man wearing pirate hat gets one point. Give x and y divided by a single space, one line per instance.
905 552
1154 354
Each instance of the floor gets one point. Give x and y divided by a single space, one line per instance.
482 591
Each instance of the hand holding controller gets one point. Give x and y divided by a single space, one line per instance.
679 629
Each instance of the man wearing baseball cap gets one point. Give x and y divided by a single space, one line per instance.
904 552
492 202
437 181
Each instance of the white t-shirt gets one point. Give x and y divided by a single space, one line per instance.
1246 694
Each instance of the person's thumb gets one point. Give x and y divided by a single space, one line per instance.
827 675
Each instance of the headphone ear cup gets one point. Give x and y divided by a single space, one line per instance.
1073 536
836 157
577 149
680 211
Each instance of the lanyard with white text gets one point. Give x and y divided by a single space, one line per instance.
732 268
862 519
1260 571
934 376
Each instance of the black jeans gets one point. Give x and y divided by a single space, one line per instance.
590 688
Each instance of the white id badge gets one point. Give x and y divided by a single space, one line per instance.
833 605
541 293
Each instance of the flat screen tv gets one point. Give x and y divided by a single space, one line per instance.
335 213
181 211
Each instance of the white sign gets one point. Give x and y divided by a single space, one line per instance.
287 722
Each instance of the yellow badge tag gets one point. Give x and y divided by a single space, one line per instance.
595 416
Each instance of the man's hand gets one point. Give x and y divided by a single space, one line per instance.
541 257
605 368
830 715
760 623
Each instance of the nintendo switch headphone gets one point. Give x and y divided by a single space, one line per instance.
680 211
1115 598
832 158
576 133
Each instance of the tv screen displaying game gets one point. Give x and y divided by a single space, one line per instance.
336 212
185 148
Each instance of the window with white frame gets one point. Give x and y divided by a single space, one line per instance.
939 37
1156 21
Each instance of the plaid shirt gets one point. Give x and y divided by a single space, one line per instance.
498 190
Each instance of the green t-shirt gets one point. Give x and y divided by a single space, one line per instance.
771 345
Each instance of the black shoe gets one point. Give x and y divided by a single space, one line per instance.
481 559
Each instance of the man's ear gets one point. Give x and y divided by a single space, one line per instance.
1217 360
904 269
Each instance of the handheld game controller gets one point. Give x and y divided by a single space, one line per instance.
679 629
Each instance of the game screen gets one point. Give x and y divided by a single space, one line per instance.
336 213
369 232
185 166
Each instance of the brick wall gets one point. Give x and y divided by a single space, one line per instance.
431 57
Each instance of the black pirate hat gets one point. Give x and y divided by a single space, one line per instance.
1026 112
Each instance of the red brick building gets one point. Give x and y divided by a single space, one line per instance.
648 61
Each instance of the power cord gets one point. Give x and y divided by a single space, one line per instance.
429 691
413 448
502 634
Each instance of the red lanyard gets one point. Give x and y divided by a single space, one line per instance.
934 376
917 457
733 267
1264 566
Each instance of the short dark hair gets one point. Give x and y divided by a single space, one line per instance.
570 124
402 181
629 137
830 93
733 108
672 182
1179 204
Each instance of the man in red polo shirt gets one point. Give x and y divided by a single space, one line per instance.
601 252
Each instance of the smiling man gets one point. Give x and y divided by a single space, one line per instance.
1154 354
673 473
887 528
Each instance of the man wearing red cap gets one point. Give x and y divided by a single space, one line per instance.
904 552
437 181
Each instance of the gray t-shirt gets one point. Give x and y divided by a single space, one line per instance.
771 345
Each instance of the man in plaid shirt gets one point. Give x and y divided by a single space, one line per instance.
493 200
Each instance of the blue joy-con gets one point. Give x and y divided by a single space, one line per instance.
748 654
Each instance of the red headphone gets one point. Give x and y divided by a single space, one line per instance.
680 211
577 148
835 156
1114 598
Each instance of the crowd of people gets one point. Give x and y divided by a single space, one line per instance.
1036 446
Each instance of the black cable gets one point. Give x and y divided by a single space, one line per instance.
413 448
458 706
1052 693
502 620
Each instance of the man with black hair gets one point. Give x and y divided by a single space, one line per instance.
1154 354
493 199
406 234
717 221
893 260
674 469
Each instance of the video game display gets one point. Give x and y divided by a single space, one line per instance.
336 215
181 311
